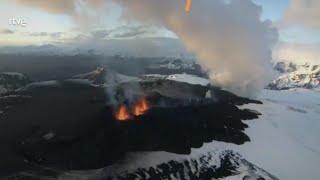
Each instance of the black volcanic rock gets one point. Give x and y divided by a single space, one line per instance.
69 126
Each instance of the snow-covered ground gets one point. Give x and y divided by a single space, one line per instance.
187 78
285 139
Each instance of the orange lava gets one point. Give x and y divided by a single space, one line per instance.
122 113
140 107
188 6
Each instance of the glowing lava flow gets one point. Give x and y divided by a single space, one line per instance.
188 6
141 107
122 113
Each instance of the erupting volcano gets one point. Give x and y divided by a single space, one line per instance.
141 107
122 113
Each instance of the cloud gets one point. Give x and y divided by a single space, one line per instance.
303 12
6 31
55 35
36 34
84 12
51 6
123 32
100 34
129 34
297 53
130 31
305 47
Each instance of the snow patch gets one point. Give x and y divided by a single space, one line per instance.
293 76
187 78
285 142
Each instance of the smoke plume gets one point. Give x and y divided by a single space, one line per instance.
227 36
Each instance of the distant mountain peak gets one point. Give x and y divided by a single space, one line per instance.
293 75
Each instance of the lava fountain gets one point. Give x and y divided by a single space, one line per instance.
122 114
140 107
188 6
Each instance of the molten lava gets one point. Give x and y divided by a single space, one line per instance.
188 6
122 113
140 107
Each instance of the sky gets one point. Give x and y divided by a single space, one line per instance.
275 10
296 21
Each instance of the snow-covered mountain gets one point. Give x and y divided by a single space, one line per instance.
285 135
10 81
140 47
215 164
187 78
281 143
46 49
293 75
177 64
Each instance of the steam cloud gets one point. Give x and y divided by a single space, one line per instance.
297 53
228 37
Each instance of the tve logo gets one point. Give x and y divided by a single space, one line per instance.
17 22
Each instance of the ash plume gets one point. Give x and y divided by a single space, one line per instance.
227 36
